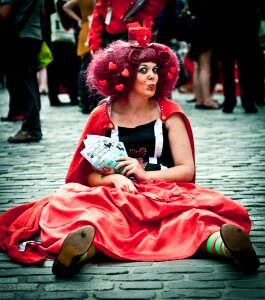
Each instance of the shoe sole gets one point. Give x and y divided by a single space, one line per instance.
23 138
23 141
201 106
74 246
240 247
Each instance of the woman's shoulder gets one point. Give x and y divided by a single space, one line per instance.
100 115
168 107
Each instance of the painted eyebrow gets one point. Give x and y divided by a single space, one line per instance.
144 65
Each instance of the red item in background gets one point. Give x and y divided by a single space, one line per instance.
117 25
238 92
189 66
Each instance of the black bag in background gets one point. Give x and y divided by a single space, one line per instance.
174 22
184 26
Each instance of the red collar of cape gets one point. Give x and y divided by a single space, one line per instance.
99 122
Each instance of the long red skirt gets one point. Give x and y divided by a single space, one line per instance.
163 221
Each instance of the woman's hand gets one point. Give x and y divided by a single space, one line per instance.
132 167
112 180
122 182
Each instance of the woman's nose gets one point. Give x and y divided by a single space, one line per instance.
151 74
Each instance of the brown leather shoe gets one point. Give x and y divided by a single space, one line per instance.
74 246
240 248
23 136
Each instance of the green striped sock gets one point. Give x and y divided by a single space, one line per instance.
215 245
88 254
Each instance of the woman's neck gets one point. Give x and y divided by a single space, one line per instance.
136 104
132 112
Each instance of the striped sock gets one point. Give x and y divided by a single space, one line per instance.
215 245
92 251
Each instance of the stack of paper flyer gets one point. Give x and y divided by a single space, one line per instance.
102 153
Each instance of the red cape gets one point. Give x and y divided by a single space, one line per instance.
163 221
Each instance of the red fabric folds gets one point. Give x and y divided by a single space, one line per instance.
20 224
162 221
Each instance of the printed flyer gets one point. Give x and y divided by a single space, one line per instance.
102 153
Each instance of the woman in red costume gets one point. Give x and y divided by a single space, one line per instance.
110 18
152 210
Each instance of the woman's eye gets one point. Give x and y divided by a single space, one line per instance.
143 70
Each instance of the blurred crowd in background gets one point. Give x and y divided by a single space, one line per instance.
220 45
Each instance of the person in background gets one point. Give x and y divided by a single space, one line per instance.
149 208
2 79
42 81
49 9
239 44
20 64
63 70
203 52
81 12
213 71
173 30
109 22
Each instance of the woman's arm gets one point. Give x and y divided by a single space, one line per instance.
68 7
95 34
150 8
113 180
181 152
180 149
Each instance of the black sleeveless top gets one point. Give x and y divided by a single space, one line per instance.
148 143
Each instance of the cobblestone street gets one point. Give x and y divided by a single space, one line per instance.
230 157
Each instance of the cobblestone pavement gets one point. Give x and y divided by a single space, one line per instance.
230 158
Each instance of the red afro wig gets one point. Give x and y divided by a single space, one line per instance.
113 69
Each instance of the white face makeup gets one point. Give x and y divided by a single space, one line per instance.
146 79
